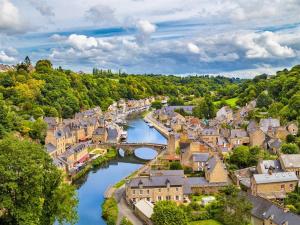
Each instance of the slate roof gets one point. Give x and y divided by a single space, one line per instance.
50 147
201 181
274 143
99 131
237 133
200 157
275 177
156 181
210 131
290 160
265 124
212 162
264 209
264 165
252 126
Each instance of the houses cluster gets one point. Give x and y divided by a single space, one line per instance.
202 146
197 138
158 185
68 140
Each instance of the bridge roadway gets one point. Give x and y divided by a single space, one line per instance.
130 147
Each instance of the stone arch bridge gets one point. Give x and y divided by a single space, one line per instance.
129 148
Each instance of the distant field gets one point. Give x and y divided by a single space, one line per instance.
205 222
231 102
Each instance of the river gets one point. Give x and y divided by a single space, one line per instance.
90 192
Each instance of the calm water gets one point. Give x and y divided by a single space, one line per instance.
91 192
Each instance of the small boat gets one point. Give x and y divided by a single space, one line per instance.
151 125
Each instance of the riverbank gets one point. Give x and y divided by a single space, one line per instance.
99 161
157 125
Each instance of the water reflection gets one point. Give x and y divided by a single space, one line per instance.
92 186
145 153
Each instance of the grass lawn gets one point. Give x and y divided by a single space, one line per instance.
205 222
231 102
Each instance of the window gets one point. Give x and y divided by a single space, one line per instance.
291 186
177 198
282 186
297 173
168 197
133 199
148 192
159 190
133 192
148 199
159 198
177 189
141 192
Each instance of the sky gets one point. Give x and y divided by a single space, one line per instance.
228 37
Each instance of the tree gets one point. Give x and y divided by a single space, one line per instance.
32 190
27 61
205 109
125 221
232 207
264 100
168 213
290 148
290 138
175 166
156 105
243 156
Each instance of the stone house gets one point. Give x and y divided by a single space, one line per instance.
225 114
165 185
264 212
273 185
256 135
100 135
210 135
215 171
290 163
238 137
199 161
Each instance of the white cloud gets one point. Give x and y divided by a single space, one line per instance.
264 45
146 27
10 19
4 58
193 48
83 42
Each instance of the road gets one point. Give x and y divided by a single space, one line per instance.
124 209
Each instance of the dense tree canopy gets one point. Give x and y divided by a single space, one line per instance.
168 213
32 190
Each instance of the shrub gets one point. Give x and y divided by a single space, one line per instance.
110 211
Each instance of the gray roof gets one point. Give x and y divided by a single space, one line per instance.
210 131
265 165
212 162
265 124
112 133
274 143
99 131
291 160
252 126
200 157
264 209
50 147
237 133
156 181
275 177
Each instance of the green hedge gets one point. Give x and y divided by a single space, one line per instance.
110 211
